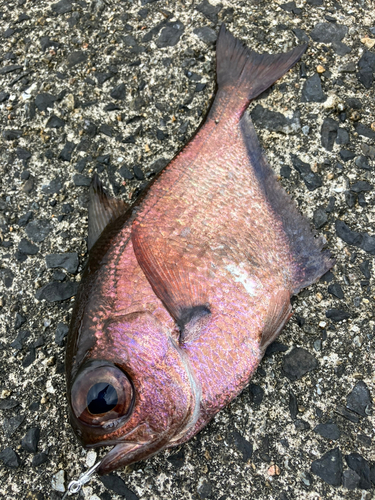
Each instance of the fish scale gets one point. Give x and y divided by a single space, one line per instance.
184 290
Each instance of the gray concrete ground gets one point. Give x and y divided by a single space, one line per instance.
80 80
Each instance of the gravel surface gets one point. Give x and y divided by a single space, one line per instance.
117 87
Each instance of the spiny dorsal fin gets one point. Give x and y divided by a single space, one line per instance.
103 209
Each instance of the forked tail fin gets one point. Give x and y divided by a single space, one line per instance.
247 72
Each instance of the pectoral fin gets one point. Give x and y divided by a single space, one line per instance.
278 315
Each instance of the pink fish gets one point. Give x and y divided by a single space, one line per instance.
184 290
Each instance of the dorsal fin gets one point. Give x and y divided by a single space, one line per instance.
103 209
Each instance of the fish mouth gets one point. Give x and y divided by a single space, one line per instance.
121 454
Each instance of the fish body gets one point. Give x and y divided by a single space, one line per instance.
184 291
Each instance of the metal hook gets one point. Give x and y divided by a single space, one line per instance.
75 486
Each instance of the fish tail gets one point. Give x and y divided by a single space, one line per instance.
246 72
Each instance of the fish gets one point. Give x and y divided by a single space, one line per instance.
184 290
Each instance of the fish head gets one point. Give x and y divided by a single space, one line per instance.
133 389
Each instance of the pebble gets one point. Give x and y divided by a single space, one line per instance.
350 479
81 180
53 187
58 481
366 69
293 405
55 122
170 35
39 459
206 34
320 218
256 393
27 248
117 485
312 90
359 400
328 431
66 152
311 179
62 7
298 362
29 358
274 121
328 133
177 459
10 458
361 466
57 291
68 261
242 445
329 467
337 315
30 441
336 290
76 57
10 425
209 11
328 32
365 267
38 230
45 101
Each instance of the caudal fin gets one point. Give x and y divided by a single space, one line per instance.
246 71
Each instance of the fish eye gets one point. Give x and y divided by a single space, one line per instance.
101 392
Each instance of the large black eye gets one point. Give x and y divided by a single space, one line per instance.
101 392
101 398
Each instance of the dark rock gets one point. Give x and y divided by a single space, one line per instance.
53 187
20 320
9 69
170 35
206 34
210 11
4 96
44 101
242 445
62 7
256 393
361 466
346 234
160 135
342 136
312 180
364 440
285 171
199 87
320 217
7 277
361 186
23 154
362 162
341 49
204 489
138 172
275 347
111 107
11 135
103 77
329 133
365 268
117 485
29 358
328 32
293 405
60 334
350 479
77 57
298 362
346 155
46 43
328 431
301 35
340 410
137 104
178 459
336 290
39 459
27 248
10 458
19 340
312 90
10 425
38 230
364 131
68 261
66 152
55 122
329 467
106 130
30 440
301 425
81 180
8 404
337 314
126 173
275 121
81 164
56 291
366 66
359 399
118 92
368 243
289 6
